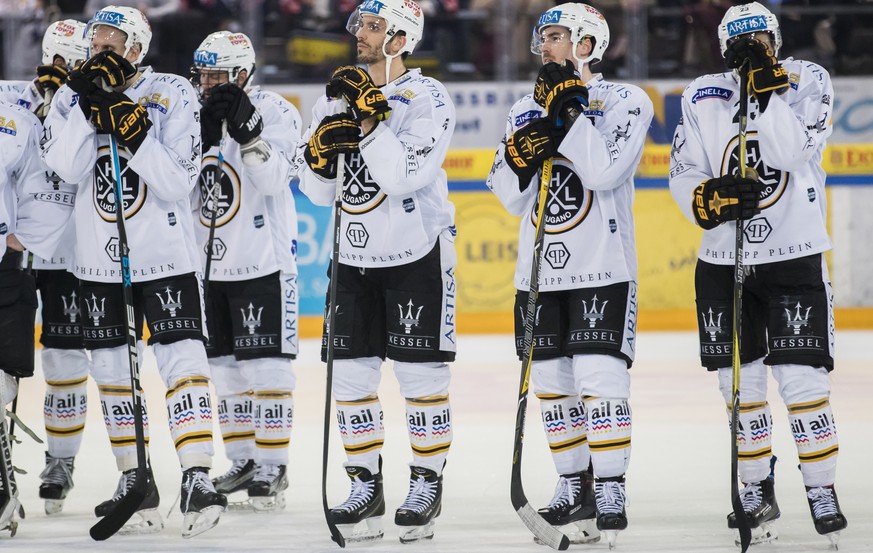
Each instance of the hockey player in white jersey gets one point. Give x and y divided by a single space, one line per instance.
154 118
584 336
787 316
251 301
396 285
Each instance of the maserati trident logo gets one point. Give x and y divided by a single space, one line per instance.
250 320
592 315
795 320
712 326
71 309
94 312
169 303
409 320
523 311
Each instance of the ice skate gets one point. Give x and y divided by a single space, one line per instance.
572 509
759 503
359 518
237 479
57 481
201 505
146 520
611 499
423 504
267 490
826 514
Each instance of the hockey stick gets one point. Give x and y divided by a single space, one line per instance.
216 194
743 525
329 316
130 503
544 531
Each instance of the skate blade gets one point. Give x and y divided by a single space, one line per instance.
11 514
410 534
579 532
834 538
611 537
244 506
194 523
53 506
266 504
369 529
146 521
765 533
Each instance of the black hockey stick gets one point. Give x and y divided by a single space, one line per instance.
743 526
130 503
543 531
216 194
330 322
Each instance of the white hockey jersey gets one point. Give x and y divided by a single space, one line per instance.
589 226
784 145
156 182
395 194
256 221
11 91
30 207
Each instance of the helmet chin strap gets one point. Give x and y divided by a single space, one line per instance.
388 59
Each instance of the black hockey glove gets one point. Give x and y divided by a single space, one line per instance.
231 103
355 86
558 90
121 117
766 75
51 77
335 134
110 68
726 198
210 130
529 147
84 87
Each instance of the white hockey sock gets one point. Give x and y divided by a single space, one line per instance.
566 431
274 418
235 419
360 427
65 408
815 434
609 435
190 418
117 405
429 421
754 438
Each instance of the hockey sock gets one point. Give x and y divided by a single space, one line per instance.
190 418
117 405
65 408
815 435
360 427
429 421
609 435
274 417
235 419
754 436
566 431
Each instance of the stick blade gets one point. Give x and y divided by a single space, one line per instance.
109 525
543 531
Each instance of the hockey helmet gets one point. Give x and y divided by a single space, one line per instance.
582 21
748 18
130 21
225 51
401 15
65 39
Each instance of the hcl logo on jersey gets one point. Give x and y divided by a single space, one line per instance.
205 58
110 18
372 6
551 17
747 25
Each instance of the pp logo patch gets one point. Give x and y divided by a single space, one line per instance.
775 181
133 189
758 230
228 193
357 235
557 255
360 193
568 202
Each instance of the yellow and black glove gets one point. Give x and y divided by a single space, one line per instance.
51 77
118 115
355 86
107 67
558 90
335 134
766 74
529 147
727 198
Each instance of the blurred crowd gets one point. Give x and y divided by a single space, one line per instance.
303 40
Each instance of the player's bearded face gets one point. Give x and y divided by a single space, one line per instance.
370 37
210 78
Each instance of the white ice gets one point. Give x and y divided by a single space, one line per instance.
678 482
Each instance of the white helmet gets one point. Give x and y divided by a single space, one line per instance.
582 20
401 15
130 21
748 18
65 39
226 51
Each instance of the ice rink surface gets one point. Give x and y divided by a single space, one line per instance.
678 482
